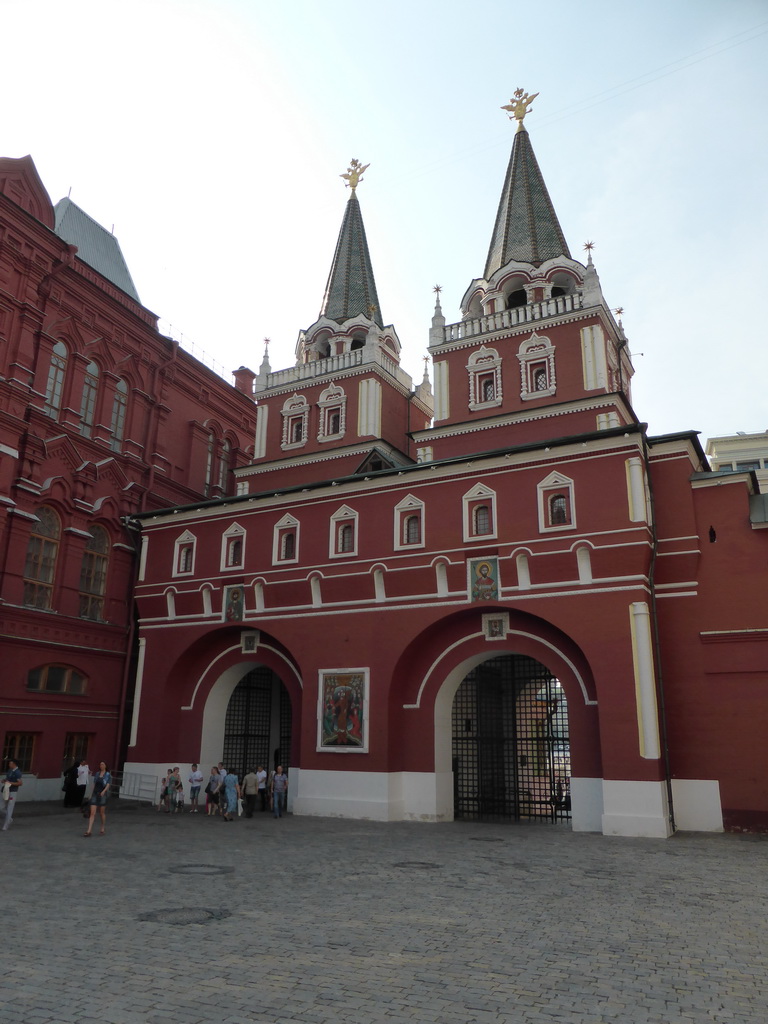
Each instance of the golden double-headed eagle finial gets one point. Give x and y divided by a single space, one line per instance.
518 106
354 174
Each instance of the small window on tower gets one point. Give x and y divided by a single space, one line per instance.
558 510
481 520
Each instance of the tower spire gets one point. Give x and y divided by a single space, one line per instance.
351 288
527 228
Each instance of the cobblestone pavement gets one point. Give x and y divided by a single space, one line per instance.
190 920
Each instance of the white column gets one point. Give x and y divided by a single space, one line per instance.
645 681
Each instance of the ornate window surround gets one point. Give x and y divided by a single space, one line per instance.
536 353
294 410
484 365
332 400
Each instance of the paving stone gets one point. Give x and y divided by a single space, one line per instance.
326 919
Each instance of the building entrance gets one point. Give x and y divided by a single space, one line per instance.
258 723
511 752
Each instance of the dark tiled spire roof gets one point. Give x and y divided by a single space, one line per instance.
351 289
527 229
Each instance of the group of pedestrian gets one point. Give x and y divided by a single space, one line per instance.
224 794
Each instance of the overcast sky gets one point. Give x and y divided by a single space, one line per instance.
212 134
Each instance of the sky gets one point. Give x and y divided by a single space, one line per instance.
211 136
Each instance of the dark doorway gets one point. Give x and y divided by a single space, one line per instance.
511 753
258 724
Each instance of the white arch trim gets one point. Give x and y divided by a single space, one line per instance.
496 653
229 650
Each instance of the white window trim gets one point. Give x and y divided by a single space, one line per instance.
185 539
288 522
555 481
480 494
331 400
234 531
405 508
482 362
342 515
535 350
294 407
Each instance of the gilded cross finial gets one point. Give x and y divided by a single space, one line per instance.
437 289
354 174
518 106
372 311
589 246
619 311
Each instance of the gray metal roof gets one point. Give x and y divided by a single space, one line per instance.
351 289
95 245
526 227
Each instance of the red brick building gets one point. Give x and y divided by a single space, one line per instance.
101 417
505 601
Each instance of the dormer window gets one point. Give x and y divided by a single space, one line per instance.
484 369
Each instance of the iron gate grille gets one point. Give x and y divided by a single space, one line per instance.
511 754
246 732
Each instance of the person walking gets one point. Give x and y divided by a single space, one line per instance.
166 791
229 794
101 783
195 782
279 790
11 785
212 792
83 774
177 798
261 775
250 792
70 785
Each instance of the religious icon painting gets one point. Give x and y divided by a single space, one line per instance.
249 641
233 605
496 625
342 711
483 578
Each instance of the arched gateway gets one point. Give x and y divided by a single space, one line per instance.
510 743
257 727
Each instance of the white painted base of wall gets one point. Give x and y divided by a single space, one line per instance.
636 809
587 805
377 796
697 805
33 788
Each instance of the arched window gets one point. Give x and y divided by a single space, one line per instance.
288 545
93 574
226 453
210 459
119 407
411 530
558 510
186 556
56 679
55 387
481 520
88 404
40 565
297 430
346 538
